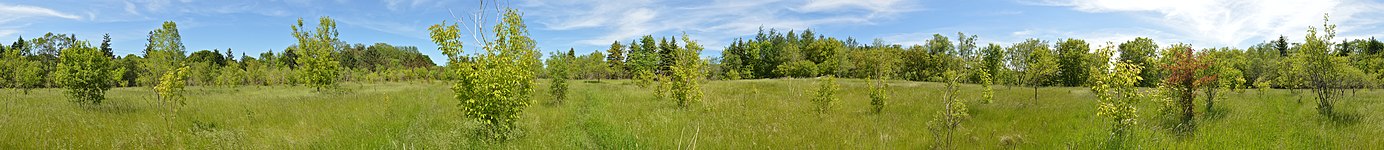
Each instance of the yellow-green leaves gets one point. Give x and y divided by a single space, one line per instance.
494 86
316 52
826 93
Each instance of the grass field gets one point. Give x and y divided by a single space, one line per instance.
614 114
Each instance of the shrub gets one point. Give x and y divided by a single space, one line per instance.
85 72
826 93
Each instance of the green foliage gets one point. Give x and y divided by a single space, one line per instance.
559 64
954 111
1116 88
163 53
1073 62
643 60
878 95
1223 65
170 89
801 68
85 72
688 71
826 94
319 66
496 86
1039 64
21 73
615 58
1322 72
1142 52
992 61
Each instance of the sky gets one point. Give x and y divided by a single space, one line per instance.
256 26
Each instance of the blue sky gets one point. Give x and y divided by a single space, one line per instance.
252 27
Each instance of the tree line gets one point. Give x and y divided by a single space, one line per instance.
32 63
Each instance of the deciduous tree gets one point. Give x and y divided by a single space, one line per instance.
316 52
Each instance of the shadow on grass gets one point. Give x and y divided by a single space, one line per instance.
117 107
1343 118
1216 113
1176 126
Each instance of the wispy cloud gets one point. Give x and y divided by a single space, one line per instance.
13 12
1233 22
717 19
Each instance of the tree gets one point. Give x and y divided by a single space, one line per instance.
1222 66
85 72
878 64
495 86
28 75
170 89
992 61
559 67
317 55
1118 95
162 54
1072 58
826 54
953 110
644 60
1142 52
687 72
1185 76
169 92
1041 63
616 59
1322 72
826 93
106 45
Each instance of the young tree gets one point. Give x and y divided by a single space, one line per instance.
1184 78
953 111
1322 72
1042 64
317 53
28 75
826 93
559 67
687 72
170 89
1118 97
163 53
494 86
85 72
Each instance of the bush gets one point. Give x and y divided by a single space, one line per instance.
801 68
85 72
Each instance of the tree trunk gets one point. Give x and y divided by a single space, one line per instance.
1210 98
1187 105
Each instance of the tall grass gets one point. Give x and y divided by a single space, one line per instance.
616 114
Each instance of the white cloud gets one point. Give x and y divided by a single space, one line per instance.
716 19
1235 22
14 12
7 32
874 6
396 5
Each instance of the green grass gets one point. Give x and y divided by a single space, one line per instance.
615 114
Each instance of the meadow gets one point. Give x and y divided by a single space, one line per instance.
616 114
